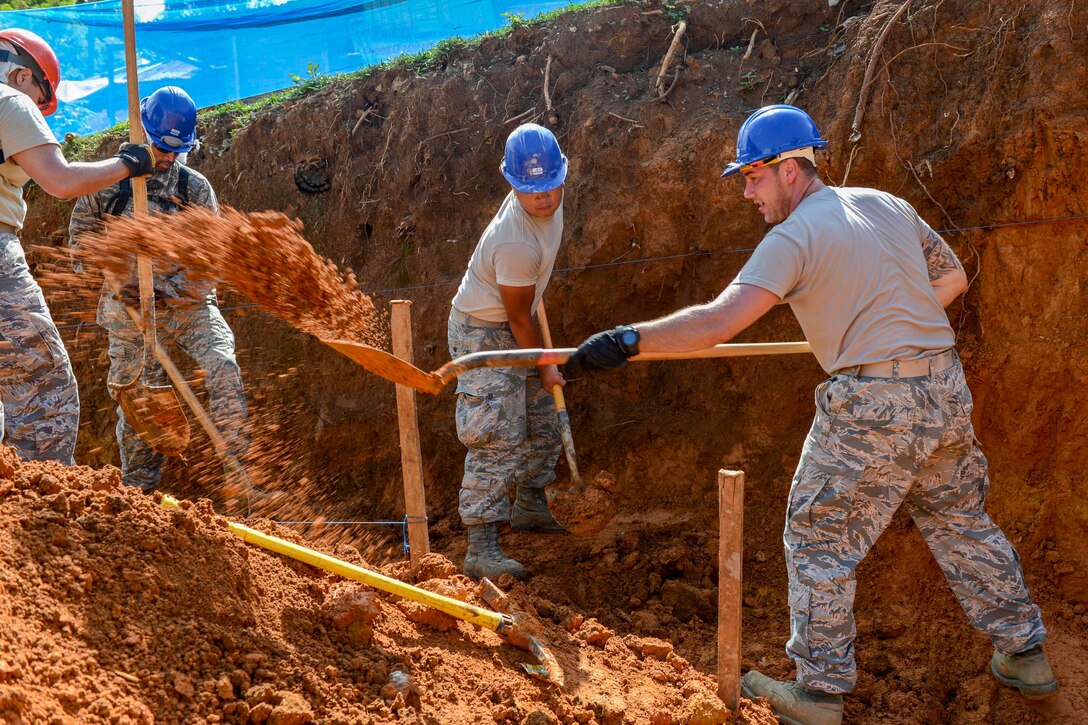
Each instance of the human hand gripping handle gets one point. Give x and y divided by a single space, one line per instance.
138 159
606 350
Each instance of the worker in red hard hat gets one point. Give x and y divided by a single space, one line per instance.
40 413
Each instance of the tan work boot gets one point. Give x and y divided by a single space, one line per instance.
531 512
793 704
485 558
1027 671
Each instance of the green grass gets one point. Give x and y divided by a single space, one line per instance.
35 4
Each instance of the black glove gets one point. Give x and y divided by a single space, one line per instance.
138 159
129 295
607 350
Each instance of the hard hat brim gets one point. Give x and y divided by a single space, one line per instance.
536 186
732 169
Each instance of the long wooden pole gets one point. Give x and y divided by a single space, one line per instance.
139 183
411 460
143 264
730 565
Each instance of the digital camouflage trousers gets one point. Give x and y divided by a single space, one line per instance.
508 423
877 444
202 333
40 414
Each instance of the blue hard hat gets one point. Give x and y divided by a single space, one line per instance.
773 130
169 119
533 162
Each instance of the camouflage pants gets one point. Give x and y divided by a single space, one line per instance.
40 415
877 444
508 423
203 334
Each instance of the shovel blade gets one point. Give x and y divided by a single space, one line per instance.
388 366
155 414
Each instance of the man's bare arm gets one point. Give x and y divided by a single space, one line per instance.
703 326
945 271
51 171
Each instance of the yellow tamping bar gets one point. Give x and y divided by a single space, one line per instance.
494 621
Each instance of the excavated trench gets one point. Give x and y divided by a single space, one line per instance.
972 111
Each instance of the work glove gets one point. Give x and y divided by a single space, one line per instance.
138 159
606 350
129 295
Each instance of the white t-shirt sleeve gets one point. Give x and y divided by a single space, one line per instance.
776 265
516 265
22 126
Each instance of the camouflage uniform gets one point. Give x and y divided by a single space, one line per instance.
876 444
40 415
508 423
187 315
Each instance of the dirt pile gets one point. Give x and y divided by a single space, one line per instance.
115 610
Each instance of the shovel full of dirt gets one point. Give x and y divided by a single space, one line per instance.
582 511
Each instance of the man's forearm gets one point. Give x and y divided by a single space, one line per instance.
703 326
525 333
950 286
692 328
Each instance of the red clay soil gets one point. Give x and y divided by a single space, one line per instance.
974 112
116 610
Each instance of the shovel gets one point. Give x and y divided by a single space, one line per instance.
582 511
153 411
561 406
393 368
513 628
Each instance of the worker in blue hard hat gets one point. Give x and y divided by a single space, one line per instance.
504 415
40 415
869 281
186 311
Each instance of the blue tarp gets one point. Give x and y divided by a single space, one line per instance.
224 51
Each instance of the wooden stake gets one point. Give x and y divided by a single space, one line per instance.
730 564
411 460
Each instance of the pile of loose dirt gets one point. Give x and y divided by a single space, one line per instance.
587 512
115 610
262 255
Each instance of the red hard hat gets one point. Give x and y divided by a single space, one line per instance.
35 54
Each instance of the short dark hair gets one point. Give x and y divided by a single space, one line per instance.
807 167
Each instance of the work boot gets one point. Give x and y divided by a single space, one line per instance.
531 512
1027 671
793 704
485 558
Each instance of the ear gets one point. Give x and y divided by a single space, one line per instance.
792 169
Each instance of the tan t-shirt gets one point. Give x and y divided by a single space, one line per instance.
516 250
22 127
855 266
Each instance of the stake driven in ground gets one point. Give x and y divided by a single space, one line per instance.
411 460
730 583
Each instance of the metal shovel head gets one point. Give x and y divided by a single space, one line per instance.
388 366
155 414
